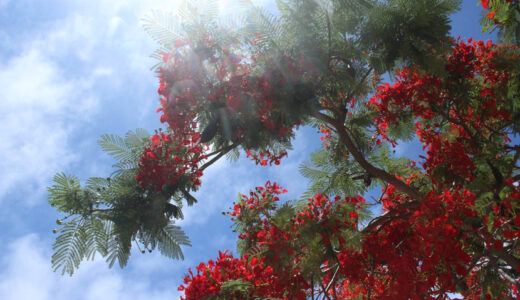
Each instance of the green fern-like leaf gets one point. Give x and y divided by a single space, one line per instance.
115 146
97 183
70 247
101 230
80 239
136 140
170 240
236 287
65 187
163 27
117 250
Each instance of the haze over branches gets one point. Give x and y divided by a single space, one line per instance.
369 76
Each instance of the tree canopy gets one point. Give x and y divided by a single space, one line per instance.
369 75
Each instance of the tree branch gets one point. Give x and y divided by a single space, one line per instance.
371 169
509 278
324 291
223 152
333 278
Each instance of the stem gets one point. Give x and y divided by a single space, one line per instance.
388 217
509 278
513 163
332 280
509 259
220 150
223 152
312 287
360 82
324 291
101 210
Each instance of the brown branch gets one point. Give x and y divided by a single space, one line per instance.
223 152
516 177
512 261
312 287
390 216
371 169
401 186
509 278
324 292
499 179
222 149
332 279
101 210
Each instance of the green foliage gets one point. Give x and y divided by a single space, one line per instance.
506 19
409 31
331 177
73 244
65 194
170 239
237 287
108 214
162 27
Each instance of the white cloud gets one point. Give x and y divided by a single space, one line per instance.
25 274
52 90
113 25
40 109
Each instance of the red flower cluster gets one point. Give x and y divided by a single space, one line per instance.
265 157
416 253
419 248
267 274
242 99
210 277
485 3
495 6
459 118
282 249
166 160
327 137
473 117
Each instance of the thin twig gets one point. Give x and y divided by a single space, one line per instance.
332 279
324 292
352 91
509 278
220 150
222 153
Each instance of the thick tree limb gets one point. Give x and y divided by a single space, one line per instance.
371 169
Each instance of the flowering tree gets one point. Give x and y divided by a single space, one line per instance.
450 221
503 15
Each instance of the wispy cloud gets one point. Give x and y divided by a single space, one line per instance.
62 80
40 110
26 274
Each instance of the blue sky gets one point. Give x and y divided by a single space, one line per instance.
69 72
